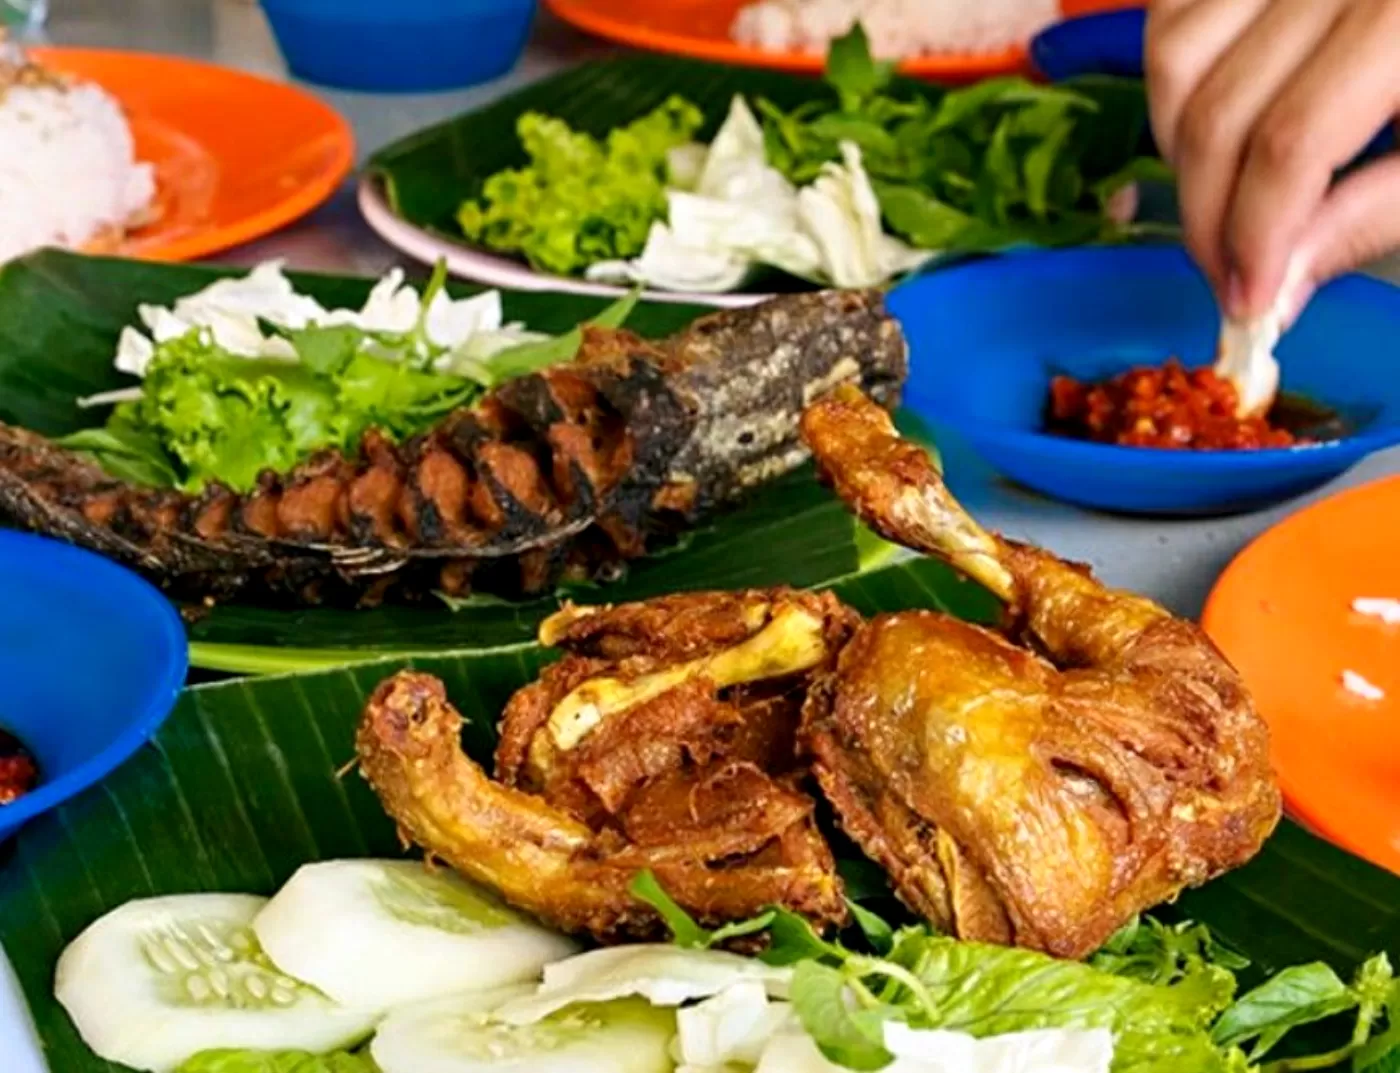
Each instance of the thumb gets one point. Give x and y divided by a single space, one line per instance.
1358 222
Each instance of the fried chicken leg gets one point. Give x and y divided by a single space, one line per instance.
664 740
1039 794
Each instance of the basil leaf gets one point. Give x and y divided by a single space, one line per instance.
925 221
1141 170
877 932
684 930
851 1037
1150 951
525 358
853 72
740 928
1381 1054
792 939
1040 164
1296 996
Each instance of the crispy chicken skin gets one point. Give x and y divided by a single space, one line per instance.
1038 793
663 740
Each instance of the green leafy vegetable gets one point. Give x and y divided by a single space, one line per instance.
1000 163
684 930
1157 953
1296 996
579 200
526 358
849 1034
277 1062
206 414
1164 991
853 72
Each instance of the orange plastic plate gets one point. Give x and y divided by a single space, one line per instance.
700 28
236 156
1283 613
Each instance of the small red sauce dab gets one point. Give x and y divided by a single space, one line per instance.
18 772
1266 606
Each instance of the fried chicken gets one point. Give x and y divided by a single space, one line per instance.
664 740
1034 786
1038 793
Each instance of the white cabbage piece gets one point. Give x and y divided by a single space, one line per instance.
736 212
1055 1050
841 213
231 311
663 974
733 1028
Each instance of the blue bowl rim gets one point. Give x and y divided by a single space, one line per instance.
1040 262
1054 35
145 721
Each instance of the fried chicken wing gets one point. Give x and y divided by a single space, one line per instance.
1037 793
664 739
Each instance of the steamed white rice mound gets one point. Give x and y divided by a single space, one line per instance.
898 29
68 169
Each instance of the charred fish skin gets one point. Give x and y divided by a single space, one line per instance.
749 374
565 473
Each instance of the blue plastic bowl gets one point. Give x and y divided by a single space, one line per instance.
400 46
1108 43
987 337
92 659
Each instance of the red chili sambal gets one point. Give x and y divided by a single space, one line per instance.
18 772
1166 406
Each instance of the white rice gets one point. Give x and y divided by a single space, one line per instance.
897 29
1358 686
1381 607
68 169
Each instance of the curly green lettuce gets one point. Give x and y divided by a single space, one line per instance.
580 200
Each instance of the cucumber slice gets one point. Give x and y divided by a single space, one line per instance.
159 980
461 1035
663 974
381 934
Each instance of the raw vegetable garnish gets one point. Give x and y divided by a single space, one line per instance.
1167 992
277 1062
255 377
1002 163
580 200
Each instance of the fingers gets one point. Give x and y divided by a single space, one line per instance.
1358 223
1213 132
1321 118
1184 40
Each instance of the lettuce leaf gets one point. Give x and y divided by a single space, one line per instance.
580 201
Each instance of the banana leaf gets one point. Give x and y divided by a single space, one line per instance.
241 787
427 175
61 314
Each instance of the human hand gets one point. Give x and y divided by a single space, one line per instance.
1257 103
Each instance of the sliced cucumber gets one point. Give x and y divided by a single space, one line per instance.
381 934
157 981
461 1035
664 975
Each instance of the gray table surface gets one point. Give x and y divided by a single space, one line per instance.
1175 562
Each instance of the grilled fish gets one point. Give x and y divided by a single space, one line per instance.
559 475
